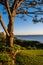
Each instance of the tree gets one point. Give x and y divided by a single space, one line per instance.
16 7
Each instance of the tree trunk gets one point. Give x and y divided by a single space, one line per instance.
10 30
9 39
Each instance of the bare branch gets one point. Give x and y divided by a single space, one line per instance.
16 5
7 6
13 6
4 26
26 12
19 3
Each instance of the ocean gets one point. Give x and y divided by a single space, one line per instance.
30 37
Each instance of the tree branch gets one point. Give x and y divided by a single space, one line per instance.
19 3
26 12
7 6
4 26
15 6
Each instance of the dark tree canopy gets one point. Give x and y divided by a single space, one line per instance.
28 7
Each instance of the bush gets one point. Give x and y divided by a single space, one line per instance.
2 37
28 44
4 57
18 47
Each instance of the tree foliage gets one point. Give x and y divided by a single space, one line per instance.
22 8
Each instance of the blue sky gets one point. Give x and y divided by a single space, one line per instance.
22 27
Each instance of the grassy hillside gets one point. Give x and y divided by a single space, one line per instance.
24 57
31 52
29 57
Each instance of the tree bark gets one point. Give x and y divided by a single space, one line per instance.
10 30
9 39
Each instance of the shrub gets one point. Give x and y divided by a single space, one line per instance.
19 47
4 57
2 37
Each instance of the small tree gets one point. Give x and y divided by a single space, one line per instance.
15 7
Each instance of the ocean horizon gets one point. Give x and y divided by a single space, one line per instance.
30 37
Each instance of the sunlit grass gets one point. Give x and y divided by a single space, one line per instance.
29 57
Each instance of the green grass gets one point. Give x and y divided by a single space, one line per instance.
24 57
29 57
4 58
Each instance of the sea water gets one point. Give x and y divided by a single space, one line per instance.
30 37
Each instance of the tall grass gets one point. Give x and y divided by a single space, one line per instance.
29 57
